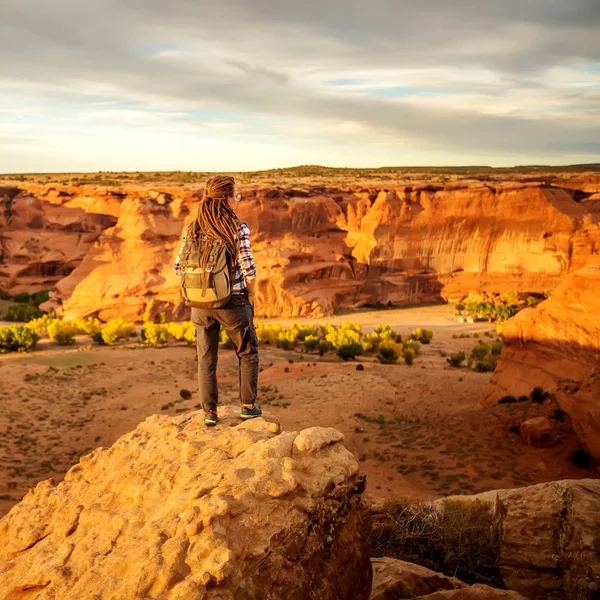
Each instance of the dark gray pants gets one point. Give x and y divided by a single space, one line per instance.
237 320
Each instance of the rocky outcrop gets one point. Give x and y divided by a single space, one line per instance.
399 580
173 510
318 248
550 538
556 346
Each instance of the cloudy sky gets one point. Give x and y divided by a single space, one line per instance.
254 84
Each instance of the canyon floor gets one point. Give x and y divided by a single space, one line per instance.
418 431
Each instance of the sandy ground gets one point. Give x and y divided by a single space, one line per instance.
417 431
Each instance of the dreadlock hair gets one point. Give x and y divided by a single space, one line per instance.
215 218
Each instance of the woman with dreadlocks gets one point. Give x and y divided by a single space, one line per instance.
216 219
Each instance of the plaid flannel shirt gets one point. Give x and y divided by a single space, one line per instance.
245 267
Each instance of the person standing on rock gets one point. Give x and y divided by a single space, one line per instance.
217 231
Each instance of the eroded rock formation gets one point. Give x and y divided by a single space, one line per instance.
550 536
175 511
399 580
556 347
109 251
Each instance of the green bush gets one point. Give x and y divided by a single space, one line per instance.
324 348
539 395
154 335
497 348
457 359
414 346
480 351
17 338
311 343
65 337
421 335
409 355
22 312
486 364
40 297
22 297
349 351
387 354
118 329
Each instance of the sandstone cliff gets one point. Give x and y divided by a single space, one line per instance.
556 346
109 251
175 511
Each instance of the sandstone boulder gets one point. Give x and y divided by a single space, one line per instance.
550 538
395 579
538 433
474 592
175 511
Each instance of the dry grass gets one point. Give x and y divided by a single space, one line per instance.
462 539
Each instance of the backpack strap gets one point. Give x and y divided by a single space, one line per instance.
210 265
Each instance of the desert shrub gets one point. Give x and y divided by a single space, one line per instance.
538 395
303 331
460 539
386 333
176 330
324 348
499 330
370 342
387 354
226 343
486 364
39 297
349 350
455 360
89 325
497 348
414 346
22 297
40 324
510 298
460 307
360 367
185 394
409 355
153 334
421 335
17 338
22 313
115 330
530 302
62 332
480 351
288 339
507 400
268 334
558 414
311 343
580 458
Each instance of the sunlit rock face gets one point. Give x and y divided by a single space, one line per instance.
109 251
556 346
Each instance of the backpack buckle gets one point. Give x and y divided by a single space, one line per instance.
209 268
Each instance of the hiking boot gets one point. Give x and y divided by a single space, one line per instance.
250 413
210 418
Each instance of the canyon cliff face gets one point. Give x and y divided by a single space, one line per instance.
109 251
556 346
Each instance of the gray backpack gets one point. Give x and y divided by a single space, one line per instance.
210 287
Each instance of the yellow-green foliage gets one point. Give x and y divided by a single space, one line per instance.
303 331
371 342
17 338
117 329
268 334
288 339
422 335
62 332
90 325
40 325
176 330
409 355
154 335
311 343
